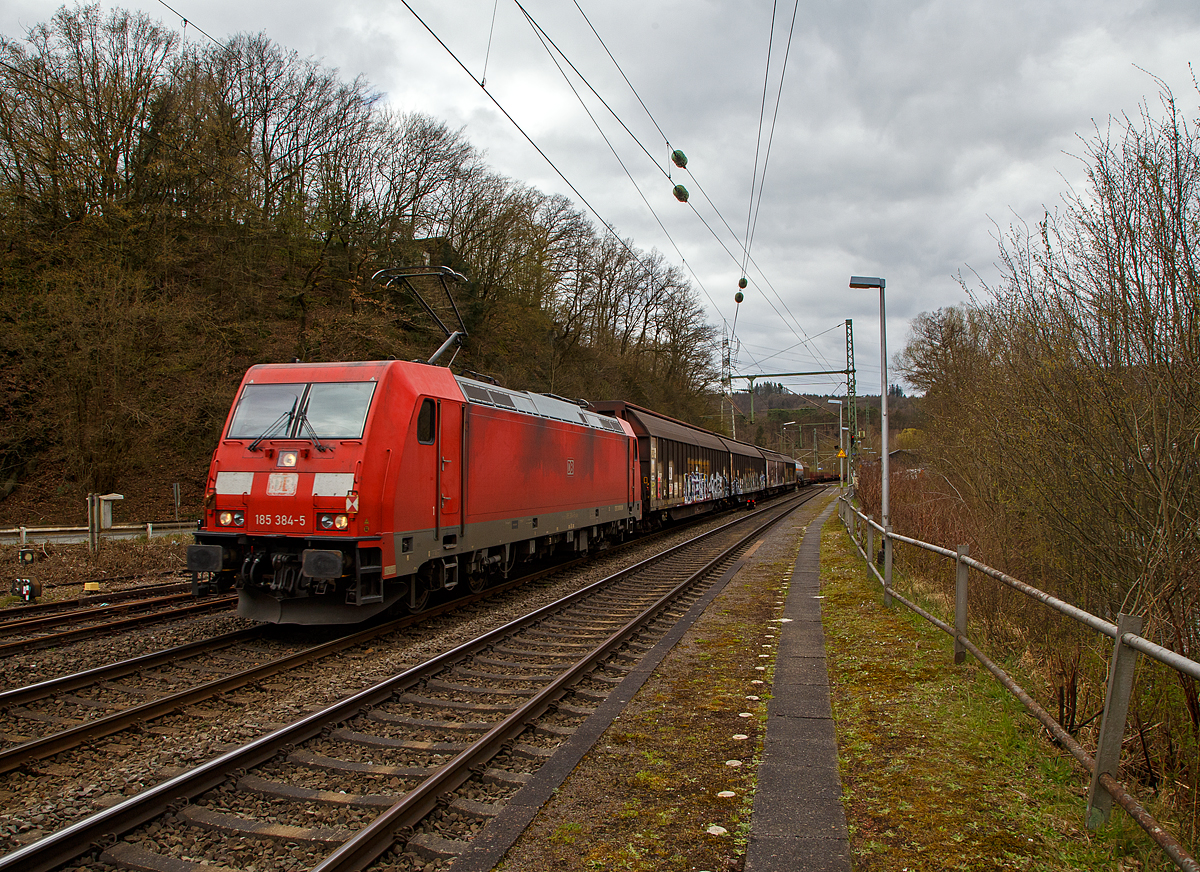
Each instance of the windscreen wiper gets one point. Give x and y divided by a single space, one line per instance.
311 432
286 416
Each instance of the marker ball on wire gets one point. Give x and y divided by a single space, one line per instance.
681 193
679 158
742 283
738 297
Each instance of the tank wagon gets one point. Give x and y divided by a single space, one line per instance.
341 490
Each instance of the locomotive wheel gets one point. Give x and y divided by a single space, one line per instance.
477 581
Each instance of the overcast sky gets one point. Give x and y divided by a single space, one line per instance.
905 132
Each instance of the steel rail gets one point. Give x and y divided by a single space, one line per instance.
83 600
64 740
74 681
101 827
83 632
86 613
377 837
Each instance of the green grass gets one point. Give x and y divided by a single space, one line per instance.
941 767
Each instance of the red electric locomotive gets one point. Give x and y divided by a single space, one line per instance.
339 490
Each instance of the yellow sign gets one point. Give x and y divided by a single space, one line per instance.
841 453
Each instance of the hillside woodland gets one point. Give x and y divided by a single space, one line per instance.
171 213
1062 430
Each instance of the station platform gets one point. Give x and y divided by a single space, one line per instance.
660 769
798 822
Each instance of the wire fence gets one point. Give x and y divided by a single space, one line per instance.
1127 645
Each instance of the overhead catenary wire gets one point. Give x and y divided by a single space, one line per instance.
793 324
774 118
798 344
546 39
797 329
488 54
800 334
187 21
762 109
789 320
542 33
519 128
482 84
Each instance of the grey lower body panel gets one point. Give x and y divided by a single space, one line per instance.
415 548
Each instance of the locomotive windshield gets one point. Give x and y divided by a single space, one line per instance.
325 410
265 411
338 410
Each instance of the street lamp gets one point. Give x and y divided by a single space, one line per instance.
881 284
841 447
782 435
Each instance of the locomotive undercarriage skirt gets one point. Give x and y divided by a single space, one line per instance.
261 605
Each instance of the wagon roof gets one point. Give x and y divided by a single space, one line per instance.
648 423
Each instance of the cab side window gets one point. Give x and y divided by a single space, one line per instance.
427 422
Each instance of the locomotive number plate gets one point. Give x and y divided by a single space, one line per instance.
286 521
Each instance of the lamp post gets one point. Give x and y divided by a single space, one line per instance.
885 520
782 435
841 446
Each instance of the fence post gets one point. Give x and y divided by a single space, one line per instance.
1112 725
887 566
960 602
93 522
870 531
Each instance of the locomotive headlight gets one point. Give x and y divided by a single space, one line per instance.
225 519
239 518
333 522
288 458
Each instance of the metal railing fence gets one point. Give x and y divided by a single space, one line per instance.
25 535
1104 768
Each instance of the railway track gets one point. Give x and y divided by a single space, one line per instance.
47 718
42 609
25 632
419 762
